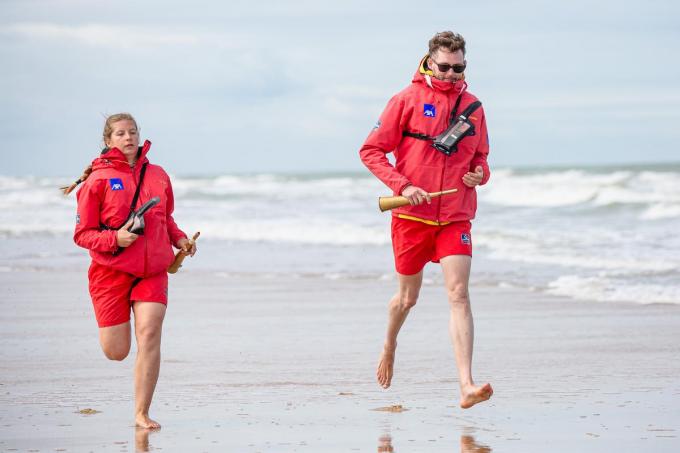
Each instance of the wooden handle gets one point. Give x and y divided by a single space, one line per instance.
388 203
180 255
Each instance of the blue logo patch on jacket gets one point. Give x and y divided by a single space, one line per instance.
116 184
429 110
465 238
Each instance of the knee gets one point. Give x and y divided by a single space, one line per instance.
458 295
407 300
148 335
116 352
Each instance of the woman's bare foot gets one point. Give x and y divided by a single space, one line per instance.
143 421
386 366
472 394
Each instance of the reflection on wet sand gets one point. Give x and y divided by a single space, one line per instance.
385 443
142 438
467 445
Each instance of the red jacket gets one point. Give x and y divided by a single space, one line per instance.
105 198
424 107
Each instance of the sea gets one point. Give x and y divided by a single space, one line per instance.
598 234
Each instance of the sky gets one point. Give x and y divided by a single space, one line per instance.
269 86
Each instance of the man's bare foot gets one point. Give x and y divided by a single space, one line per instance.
386 366
143 421
472 394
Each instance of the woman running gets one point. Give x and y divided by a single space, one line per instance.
128 269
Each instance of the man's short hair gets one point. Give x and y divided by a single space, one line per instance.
448 41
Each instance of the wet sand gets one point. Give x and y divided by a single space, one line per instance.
266 363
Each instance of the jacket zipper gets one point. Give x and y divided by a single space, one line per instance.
441 187
146 249
441 184
146 260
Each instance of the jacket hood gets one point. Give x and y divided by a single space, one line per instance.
425 75
113 157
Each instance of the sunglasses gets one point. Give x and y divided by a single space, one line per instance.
457 68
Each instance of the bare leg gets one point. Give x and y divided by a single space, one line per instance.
400 305
148 325
115 341
461 328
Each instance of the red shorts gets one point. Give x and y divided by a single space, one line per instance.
416 243
113 292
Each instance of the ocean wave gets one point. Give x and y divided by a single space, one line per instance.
601 288
554 189
661 211
509 188
292 231
599 249
283 230
278 187
341 209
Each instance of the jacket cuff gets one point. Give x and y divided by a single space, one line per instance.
175 241
487 175
404 186
485 168
112 240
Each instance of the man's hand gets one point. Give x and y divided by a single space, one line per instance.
123 237
471 179
187 247
415 195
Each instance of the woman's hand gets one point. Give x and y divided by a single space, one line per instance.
123 237
187 246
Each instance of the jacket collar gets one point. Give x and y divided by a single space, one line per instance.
426 76
113 157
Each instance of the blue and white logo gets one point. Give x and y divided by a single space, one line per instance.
465 238
77 219
116 184
429 110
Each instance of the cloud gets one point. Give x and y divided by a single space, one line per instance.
590 99
110 36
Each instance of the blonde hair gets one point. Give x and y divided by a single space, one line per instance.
106 134
108 124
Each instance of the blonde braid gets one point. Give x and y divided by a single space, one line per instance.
68 189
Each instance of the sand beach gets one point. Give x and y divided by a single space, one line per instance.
286 363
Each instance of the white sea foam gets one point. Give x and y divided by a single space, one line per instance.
572 250
277 187
601 288
661 211
555 189
291 231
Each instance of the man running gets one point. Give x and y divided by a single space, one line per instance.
436 230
